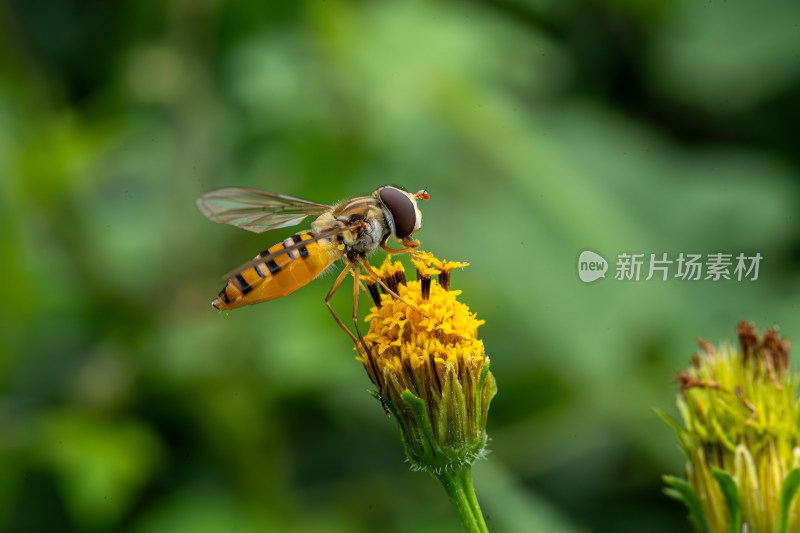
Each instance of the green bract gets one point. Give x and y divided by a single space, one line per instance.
740 413
424 356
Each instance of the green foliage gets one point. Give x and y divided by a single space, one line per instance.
788 492
730 492
102 465
681 490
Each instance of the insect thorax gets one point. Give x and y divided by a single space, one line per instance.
360 241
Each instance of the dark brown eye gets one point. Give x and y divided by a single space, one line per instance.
402 209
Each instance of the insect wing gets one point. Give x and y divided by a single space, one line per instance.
255 210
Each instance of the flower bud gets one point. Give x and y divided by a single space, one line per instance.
424 356
740 434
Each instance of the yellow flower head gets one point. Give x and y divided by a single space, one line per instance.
740 413
424 356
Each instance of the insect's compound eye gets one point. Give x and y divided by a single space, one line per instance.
402 208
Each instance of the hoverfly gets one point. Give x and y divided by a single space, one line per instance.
349 230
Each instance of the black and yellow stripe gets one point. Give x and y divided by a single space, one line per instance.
281 273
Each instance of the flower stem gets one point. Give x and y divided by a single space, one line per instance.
457 483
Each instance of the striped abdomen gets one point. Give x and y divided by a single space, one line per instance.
281 275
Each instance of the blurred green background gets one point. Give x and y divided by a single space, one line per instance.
540 127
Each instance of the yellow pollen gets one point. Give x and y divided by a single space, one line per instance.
445 328
423 354
428 265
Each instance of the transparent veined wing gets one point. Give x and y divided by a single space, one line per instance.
255 210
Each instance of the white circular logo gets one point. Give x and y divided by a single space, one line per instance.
591 266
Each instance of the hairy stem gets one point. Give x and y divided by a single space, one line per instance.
458 485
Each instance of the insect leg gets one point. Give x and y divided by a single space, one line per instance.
363 288
356 284
336 284
378 280
378 381
408 243
394 251
366 353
